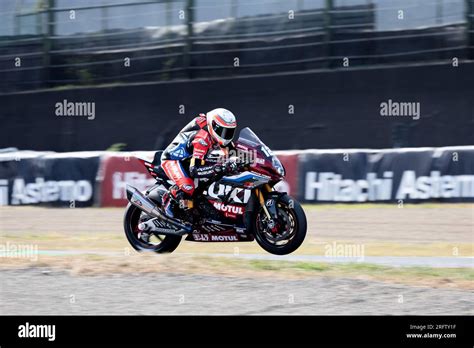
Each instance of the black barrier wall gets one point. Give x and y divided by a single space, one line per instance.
339 109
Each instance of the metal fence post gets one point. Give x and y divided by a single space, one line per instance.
234 9
17 24
168 14
328 35
49 32
104 15
189 38
439 12
470 29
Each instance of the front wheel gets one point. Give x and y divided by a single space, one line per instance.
287 233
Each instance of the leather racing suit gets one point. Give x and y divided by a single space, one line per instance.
184 159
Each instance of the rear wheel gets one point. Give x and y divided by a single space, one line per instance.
148 241
287 233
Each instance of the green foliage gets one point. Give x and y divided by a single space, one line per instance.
116 147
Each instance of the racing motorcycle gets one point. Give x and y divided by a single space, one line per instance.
239 207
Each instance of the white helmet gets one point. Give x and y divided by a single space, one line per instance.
221 124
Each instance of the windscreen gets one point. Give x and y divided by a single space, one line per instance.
248 136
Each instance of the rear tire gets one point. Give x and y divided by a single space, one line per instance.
130 222
296 221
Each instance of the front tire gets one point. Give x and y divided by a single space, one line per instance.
166 244
292 232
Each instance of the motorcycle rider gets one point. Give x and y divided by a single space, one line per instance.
184 159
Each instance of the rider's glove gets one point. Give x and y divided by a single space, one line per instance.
229 167
219 168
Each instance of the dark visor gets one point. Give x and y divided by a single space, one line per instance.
224 133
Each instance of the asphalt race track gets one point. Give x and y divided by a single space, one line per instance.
36 292
413 236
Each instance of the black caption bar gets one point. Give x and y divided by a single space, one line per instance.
23 331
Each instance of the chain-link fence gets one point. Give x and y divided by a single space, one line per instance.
53 43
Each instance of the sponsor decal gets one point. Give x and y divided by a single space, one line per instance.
242 147
224 238
201 237
204 171
161 229
199 154
238 195
208 237
226 116
175 170
187 187
229 210
178 152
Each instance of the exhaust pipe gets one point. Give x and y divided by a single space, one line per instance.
148 206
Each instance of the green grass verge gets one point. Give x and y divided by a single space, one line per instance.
351 269
386 205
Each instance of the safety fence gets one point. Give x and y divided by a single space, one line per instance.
80 179
62 43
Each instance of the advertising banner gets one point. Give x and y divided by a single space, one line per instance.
289 159
56 179
119 169
80 179
421 174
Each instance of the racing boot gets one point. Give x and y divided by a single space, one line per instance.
174 199
168 202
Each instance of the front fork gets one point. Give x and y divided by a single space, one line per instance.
269 205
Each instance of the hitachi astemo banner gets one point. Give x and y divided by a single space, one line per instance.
422 174
59 179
